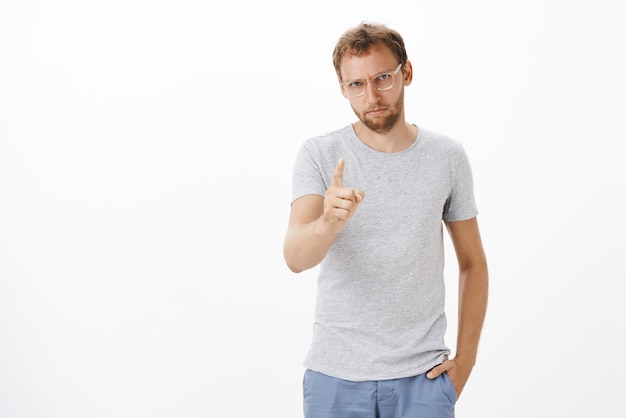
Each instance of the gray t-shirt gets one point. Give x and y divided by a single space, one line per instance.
380 293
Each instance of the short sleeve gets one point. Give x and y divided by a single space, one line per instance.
307 177
461 203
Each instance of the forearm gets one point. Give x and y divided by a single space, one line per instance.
473 295
316 220
306 245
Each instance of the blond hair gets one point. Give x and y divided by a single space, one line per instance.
358 40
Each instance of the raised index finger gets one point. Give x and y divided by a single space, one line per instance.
338 174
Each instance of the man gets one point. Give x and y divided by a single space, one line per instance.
369 204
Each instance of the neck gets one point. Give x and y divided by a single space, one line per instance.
399 138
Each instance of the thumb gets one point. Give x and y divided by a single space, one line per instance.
435 372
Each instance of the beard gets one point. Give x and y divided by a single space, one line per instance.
382 124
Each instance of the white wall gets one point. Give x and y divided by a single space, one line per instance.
145 157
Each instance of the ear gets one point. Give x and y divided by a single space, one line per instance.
408 73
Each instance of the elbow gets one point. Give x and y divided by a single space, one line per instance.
292 263
295 269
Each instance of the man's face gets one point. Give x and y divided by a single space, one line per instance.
378 110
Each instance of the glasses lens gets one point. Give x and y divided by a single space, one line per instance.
381 82
356 89
384 81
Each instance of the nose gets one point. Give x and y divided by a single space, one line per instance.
372 94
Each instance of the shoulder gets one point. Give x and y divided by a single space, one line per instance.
439 142
325 150
443 150
328 139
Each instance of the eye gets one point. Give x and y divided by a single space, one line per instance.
355 84
384 77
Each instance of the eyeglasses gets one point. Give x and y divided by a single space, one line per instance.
382 82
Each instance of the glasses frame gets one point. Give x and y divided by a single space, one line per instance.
366 82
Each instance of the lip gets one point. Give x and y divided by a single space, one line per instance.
376 112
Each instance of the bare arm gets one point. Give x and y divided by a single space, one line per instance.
473 291
315 221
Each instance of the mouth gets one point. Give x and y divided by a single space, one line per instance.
376 112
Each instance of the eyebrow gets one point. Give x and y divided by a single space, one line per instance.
374 76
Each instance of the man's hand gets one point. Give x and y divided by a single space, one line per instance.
340 203
315 221
457 370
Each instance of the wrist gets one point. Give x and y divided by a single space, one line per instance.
325 228
467 359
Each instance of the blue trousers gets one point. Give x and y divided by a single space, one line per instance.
410 397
